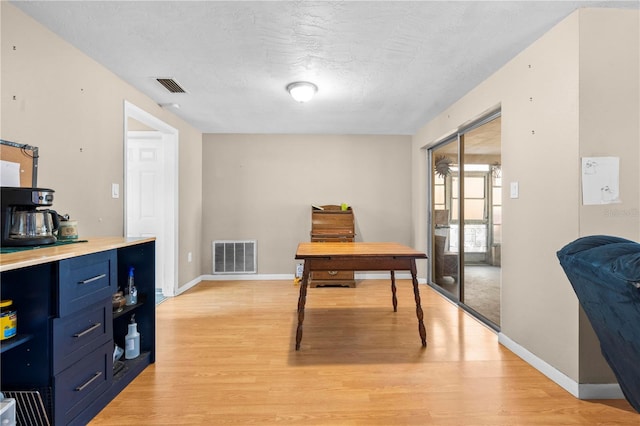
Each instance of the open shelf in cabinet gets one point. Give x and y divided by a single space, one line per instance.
14 342
132 366
142 298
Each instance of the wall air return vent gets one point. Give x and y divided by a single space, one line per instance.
171 85
234 257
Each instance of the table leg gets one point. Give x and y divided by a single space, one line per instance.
302 300
416 294
394 299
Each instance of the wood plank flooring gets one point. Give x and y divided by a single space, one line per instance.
225 356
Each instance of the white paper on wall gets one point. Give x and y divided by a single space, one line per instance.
9 173
600 180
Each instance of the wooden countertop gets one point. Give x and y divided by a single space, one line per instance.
359 249
24 258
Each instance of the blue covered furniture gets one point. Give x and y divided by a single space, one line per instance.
605 274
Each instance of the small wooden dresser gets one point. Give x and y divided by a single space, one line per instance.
332 224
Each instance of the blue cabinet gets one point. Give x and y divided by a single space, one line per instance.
63 353
80 333
85 280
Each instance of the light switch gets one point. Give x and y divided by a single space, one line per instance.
115 190
515 190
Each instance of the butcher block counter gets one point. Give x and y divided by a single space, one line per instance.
44 254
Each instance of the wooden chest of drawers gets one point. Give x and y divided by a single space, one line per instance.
330 223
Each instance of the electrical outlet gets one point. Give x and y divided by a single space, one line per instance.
299 270
189 257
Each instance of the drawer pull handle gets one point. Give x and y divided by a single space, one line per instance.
88 330
333 272
89 280
88 382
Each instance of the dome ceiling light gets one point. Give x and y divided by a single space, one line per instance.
302 91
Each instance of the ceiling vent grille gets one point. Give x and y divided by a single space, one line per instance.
171 85
234 257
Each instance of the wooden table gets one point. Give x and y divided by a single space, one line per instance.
358 256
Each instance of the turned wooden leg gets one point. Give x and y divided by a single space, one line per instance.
302 300
394 299
416 294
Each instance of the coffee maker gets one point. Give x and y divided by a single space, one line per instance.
23 224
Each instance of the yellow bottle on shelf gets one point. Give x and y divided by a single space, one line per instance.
8 320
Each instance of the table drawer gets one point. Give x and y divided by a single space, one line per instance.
86 280
78 386
76 336
332 275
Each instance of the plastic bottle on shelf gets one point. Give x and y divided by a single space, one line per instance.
132 340
132 293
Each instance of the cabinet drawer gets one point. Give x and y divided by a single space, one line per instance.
78 386
331 239
332 275
81 333
86 280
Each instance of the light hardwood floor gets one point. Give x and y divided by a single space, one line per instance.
225 356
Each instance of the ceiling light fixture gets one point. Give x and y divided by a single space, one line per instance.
302 91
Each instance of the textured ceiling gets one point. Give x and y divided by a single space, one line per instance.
382 67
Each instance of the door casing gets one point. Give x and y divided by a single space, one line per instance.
169 139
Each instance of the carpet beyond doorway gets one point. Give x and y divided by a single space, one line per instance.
481 291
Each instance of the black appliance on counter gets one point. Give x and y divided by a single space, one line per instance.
23 224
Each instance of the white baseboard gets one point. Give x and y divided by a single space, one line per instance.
270 277
273 277
188 285
246 277
600 391
579 390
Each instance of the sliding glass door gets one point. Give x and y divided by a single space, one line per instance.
466 218
445 271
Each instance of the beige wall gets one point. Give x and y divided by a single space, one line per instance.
609 126
573 93
72 109
262 187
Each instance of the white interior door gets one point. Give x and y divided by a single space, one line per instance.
145 192
151 189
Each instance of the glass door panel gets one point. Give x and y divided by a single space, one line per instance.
445 212
482 220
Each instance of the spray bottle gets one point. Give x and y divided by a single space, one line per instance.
132 340
132 294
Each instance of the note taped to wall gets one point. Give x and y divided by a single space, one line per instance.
600 180
9 173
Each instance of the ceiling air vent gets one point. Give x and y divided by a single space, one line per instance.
171 85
